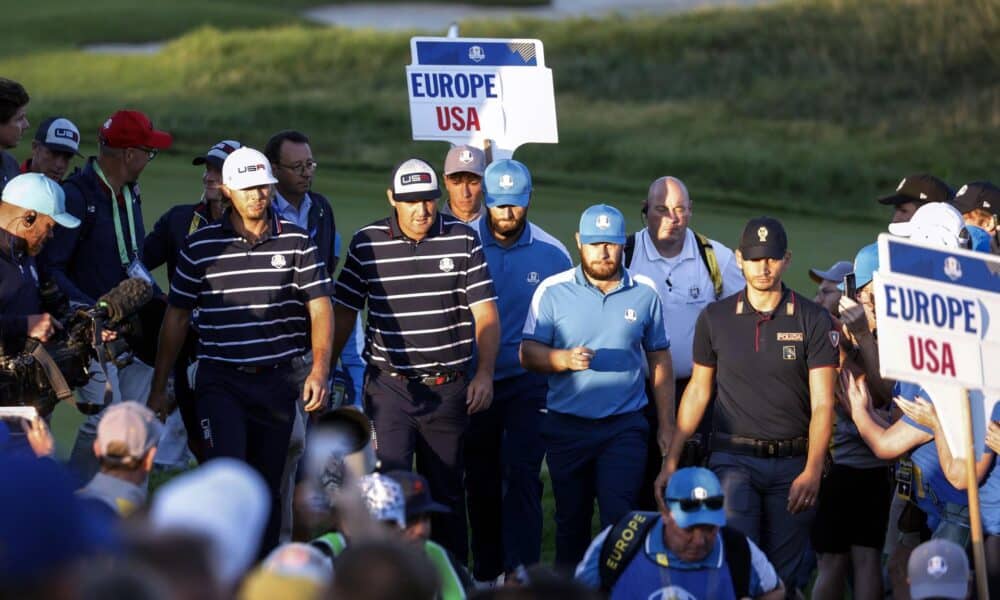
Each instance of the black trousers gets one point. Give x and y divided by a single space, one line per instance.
427 422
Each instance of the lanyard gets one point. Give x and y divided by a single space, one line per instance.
119 235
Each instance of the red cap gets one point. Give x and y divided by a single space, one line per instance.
132 129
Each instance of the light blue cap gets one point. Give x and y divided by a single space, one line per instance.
39 193
602 224
865 265
507 182
980 238
694 484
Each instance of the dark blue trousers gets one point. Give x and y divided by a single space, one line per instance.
503 458
411 418
587 459
249 416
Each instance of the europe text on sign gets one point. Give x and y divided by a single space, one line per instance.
935 309
468 90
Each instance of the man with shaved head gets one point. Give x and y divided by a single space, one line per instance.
690 271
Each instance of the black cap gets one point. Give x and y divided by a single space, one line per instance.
763 237
920 189
417 493
978 194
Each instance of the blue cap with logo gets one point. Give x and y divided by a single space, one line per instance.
39 193
602 224
694 497
865 265
980 239
507 182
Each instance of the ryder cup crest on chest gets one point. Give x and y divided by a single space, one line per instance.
446 265
278 261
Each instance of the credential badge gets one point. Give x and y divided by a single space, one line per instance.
278 261
446 264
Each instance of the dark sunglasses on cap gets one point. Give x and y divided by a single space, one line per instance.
694 505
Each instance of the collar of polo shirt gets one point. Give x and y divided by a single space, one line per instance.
227 223
743 306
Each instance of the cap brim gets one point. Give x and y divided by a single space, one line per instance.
210 160
417 196
698 517
62 148
937 589
266 180
463 169
66 220
430 507
819 276
161 140
759 252
494 200
602 239
901 229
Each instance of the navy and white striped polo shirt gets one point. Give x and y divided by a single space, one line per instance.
251 298
418 294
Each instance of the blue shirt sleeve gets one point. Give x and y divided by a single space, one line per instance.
763 577
588 571
909 391
539 325
655 337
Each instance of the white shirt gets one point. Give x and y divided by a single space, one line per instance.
685 288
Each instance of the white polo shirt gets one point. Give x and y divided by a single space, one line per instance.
685 288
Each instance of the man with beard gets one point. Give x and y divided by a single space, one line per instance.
257 311
503 451
163 245
591 329
430 300
772 355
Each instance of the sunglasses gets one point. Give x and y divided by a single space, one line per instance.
150 152
693 505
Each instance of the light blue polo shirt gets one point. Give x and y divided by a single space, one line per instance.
621 327
517 271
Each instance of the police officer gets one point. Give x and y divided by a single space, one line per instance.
503 449
258 310
57 141
685 551
463 179
770 352
429 296
87 262
690 271
592 329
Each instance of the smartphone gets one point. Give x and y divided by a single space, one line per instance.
851 286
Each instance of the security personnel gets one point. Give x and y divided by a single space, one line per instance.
87 262
690 271
429 296
258 310
57 141
770 352
163 245
31 207
685 551
503 449
463 179
593 329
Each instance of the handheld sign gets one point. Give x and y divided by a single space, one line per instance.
469 90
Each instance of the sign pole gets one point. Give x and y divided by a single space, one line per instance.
972 489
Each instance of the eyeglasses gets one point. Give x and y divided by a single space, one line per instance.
694 505
301 167
150 152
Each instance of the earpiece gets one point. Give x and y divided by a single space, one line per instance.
30 219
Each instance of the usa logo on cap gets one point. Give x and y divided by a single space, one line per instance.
414 178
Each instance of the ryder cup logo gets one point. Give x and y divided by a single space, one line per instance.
630 315
465 157
476 54
278 261
936 566
672 592
952 268
446 265
506 181
762 234
603 221
533 277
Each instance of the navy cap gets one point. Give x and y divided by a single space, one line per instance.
508 182
417 493
978 194
763 237
920 189
59 134
217 154
602 224
686 493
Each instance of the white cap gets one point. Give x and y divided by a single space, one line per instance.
224 500
935 223
37 192
246 168
415 181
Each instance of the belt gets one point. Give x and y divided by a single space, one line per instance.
253 369
431 379
760 448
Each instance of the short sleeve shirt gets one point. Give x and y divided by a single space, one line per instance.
762 363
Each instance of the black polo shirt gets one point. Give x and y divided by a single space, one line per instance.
19 295
251 298
419 294
762 363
